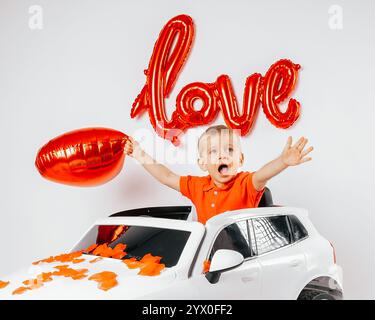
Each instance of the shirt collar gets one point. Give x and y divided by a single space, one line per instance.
211 184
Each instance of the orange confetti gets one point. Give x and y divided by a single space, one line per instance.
108 284
151 269
65 257
149 258
65 271
33 283
79 275
106 280
133 263
149 265
48 260
120 246
102 250
119 255
107 252
28 282
206 266
96 260
118 251
62 266
20 290
103 276
90 248
119 230
78 260
99 249
45 276
3 284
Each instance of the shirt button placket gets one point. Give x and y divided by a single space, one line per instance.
213 203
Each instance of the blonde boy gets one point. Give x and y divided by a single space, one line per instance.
225 187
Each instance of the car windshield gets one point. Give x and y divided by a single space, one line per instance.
139 240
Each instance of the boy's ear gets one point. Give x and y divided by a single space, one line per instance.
242 159
202 164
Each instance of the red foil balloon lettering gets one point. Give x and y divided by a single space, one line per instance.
165 66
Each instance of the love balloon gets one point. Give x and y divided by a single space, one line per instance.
85 157
170 53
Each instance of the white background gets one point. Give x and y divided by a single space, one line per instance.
85 67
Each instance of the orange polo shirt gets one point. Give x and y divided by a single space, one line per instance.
210 200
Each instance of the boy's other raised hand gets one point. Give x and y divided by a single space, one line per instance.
295 155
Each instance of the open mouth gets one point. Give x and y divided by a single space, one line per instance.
223 169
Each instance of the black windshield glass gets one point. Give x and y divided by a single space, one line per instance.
140 240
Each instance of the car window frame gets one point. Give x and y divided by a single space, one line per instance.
292 229
255 248
289 229
221 229
251 227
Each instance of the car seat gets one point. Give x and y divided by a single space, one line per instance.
266 200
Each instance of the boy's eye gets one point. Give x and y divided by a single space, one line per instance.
230 149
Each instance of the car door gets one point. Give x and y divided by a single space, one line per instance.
242 282
283 264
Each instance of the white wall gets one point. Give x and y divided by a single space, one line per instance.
85 67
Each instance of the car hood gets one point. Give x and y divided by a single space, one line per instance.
130 284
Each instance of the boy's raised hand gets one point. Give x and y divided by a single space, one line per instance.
294 155
131 147
157 170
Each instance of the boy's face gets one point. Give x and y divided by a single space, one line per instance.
220 154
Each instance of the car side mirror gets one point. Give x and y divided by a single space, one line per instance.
223 260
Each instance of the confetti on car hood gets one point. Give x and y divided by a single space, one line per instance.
78 275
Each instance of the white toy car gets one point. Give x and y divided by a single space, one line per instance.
262 253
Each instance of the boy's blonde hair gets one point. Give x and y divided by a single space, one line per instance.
217 129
